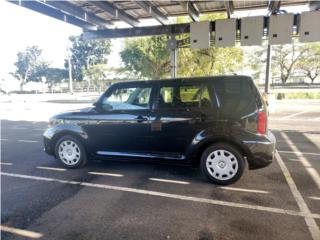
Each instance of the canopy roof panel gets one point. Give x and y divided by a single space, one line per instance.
97 15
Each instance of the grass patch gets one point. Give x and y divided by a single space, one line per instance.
303 95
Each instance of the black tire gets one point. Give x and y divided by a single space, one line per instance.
81 160
214 169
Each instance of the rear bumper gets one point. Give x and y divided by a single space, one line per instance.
261 151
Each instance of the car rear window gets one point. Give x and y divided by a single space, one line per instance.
235 95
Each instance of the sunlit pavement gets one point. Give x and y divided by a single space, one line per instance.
126 200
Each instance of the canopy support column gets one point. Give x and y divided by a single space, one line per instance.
173 59
268 68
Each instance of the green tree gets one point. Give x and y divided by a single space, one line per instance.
310 61
96 74
28 63
147 57
52 75
256 58
285 59
85 54
211 61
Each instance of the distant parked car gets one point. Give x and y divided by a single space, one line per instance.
218 122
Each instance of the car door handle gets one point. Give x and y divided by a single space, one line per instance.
202 118
141 119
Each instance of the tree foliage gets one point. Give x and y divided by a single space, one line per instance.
28 63
52 75
96 74
147 57
310 62
285 58
85 54
210 61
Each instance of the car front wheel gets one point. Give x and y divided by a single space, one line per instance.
70 152
222 163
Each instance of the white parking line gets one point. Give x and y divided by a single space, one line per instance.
294 160
298 153
168 181
245 190
27 141
314 198
51 168
293 115
168 195
5 163
4 139
311 223
20 232
106 174
305 163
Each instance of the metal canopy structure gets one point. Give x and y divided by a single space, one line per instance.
100 19
97 16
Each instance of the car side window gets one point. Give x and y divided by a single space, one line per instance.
183 96
128 99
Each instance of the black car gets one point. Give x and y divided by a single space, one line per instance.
217 122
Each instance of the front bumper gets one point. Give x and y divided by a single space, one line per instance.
261 151
48 141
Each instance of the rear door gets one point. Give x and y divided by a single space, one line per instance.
178 116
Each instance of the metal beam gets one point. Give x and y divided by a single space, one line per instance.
229 7
153 11
138 31
314 5
192 11
274 6
118 13
54 13
79 12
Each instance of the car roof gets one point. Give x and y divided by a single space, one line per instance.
182 80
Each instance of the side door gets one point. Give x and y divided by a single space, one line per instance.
122 121
177 117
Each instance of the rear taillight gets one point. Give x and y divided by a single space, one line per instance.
262 122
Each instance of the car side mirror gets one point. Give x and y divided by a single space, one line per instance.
97 105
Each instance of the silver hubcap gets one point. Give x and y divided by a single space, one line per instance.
69 152
222 164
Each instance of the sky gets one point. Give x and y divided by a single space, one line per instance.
21 27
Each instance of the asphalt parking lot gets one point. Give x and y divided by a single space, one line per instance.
126 200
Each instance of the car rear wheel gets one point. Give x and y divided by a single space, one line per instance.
222 163
70 152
